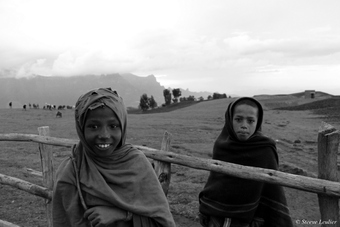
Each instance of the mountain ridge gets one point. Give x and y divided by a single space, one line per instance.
58 90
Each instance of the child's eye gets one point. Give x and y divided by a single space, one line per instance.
92 126
113 126
238 119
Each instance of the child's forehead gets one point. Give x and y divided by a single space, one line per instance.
245 109
240 105
247 101
101 112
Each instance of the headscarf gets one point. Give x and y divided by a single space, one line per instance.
228 127
232 197
125 179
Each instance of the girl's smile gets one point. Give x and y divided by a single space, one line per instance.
102 131
103 146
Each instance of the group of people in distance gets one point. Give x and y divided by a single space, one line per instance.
108 182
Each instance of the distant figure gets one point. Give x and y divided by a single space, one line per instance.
59 114
10 105
24 107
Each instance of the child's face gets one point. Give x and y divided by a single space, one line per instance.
244 121
102 131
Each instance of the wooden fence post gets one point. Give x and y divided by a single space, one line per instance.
163 169
46 157
328 143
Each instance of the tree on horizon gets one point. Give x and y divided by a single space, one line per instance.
152 102
176 93
167 96
144 102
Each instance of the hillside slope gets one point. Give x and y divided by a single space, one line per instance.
194 130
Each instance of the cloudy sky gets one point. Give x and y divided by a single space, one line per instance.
243 47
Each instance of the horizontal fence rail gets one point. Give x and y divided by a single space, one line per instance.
7 224
315 185
26 186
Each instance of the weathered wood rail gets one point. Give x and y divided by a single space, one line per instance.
326 186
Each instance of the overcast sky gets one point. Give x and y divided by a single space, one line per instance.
243 47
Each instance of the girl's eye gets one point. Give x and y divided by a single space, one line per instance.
92 126
114 126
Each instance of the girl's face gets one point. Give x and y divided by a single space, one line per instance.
102 131
244 121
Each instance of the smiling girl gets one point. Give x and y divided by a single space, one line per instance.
107 182
228 201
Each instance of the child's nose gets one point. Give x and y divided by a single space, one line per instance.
104 133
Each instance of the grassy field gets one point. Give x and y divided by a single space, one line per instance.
194 130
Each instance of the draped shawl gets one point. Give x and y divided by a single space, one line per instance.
124 179
232 197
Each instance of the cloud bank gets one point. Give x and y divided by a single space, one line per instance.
200 45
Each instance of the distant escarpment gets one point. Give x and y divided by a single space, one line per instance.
66 90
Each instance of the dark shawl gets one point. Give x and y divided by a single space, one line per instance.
125 179
232 197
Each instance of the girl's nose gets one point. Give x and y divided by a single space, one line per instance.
244 126
104 133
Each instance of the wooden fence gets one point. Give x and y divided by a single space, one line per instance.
326 186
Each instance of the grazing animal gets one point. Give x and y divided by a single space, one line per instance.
59 114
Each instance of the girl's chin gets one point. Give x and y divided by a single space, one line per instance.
104 153
242 137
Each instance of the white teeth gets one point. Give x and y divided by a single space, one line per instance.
103 145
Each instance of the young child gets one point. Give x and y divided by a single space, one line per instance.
107 182
234 202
